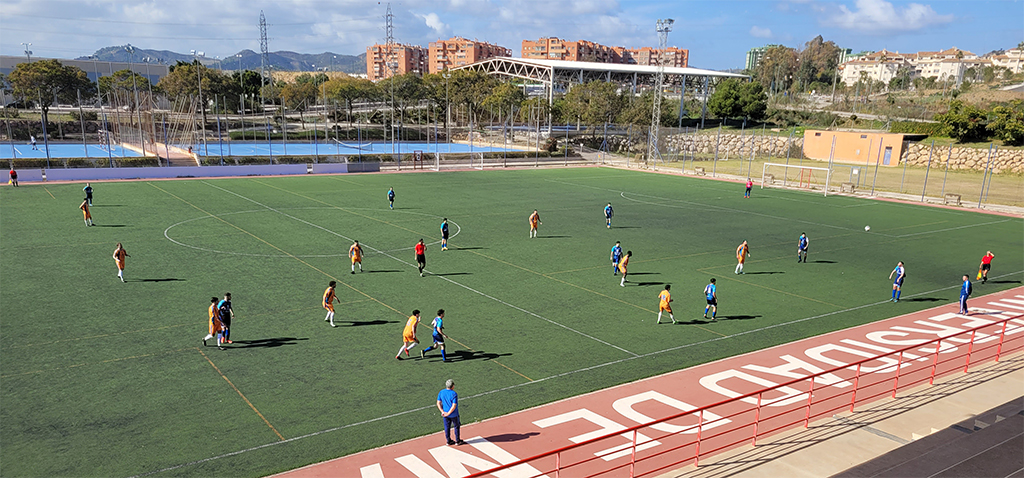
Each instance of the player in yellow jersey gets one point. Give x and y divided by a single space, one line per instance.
409 334
85 211
534 221
741 256
665 298
329 298
216 326
119 258
623 263
355 251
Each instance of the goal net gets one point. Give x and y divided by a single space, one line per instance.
796 176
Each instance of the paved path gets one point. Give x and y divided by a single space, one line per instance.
526 433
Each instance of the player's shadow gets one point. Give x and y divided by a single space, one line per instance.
627 227
108 205
1005 282
169 279
454 248
272 342
508 437
359 323
454 274
824 262
925 299
553 237
631 274
110 225
379 272
737 317
765 272
693 322
464 355
645 284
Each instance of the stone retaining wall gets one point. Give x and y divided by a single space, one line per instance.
1003 160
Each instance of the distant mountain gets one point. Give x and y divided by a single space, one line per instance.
245 59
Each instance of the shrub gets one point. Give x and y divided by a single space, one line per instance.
914 127
963 122
85 116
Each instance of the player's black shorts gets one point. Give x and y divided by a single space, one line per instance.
421 259
444 235
898 282
713 302
986 267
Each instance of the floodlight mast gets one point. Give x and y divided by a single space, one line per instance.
664 26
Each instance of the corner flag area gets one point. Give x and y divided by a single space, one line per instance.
716 404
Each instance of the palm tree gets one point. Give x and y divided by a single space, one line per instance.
1020 51
959 67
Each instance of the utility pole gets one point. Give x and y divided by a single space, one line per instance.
28 53
392 64
135 86
264 56
664 26
202 106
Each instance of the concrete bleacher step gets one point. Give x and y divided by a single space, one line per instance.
924 432
988 444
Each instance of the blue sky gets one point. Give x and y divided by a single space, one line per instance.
717 33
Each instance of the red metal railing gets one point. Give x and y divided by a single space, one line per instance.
748 414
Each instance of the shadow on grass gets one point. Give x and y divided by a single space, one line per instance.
108 205
1005 282
824 262
272 342
110 225
645 284
360 323
464 355
925 299
156 280
692 322
757 273
553 237
507 437
454 248
381 272
627 227
737 317
631 274
454 274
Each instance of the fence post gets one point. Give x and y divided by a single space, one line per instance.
935 362
700 427
632 461
878 159
904 178
718 143
757 419
810 396
896 382
946 173
789 151
988 188
970 347
927 170
987 163
1001 335
856 383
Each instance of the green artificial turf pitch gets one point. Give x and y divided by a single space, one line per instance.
100 378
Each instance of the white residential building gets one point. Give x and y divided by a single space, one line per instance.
944 65
1012 59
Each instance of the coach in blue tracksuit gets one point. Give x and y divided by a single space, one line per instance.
965 292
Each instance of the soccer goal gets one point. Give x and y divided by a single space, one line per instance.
796 176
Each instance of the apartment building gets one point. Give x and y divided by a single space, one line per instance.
1012 59
408 59
458 51
884 65
755 54
648 56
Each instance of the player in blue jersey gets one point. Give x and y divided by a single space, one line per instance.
801 248
712 296
900 274
391 197
444 234
437 328
608 213
965 292
616 257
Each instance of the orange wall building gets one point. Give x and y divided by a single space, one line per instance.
553 48
854 148
672 56
409 59
458 51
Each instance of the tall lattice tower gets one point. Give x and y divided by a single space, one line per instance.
391 59
264 53
663 27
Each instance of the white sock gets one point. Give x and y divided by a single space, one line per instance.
659 317
739 267
410 347
400 350
672 317
208 337
623 281
360 267
353 267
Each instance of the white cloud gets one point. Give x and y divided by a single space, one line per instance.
434 22
880 16
756 31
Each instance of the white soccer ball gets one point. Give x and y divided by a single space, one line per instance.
867 228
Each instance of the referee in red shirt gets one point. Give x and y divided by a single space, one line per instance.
986 264
421 256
